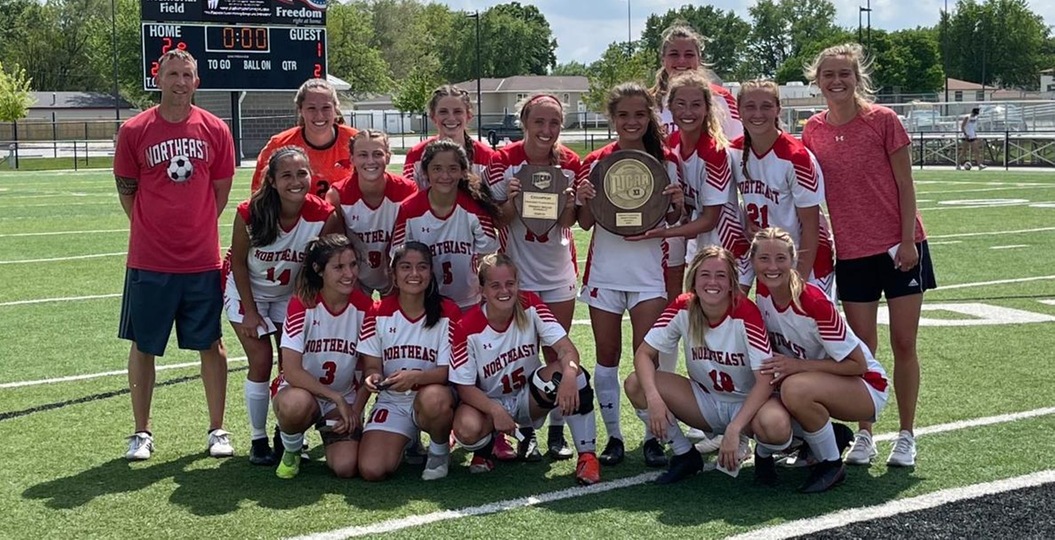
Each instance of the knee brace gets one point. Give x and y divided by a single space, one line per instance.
545 392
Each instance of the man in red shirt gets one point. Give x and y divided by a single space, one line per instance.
174 164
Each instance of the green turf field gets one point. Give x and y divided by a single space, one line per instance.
985 347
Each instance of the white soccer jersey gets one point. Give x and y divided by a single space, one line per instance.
482 155
327 341
732 351
815 332
724 107
402 343
373 225
500 361
543 262
619 264
709 181
456 241
781 181
273 269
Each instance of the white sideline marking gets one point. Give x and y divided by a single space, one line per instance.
812 525
997 282
55 233
21 384
965 235
942 243
66 299
1012 246
513 504
59 259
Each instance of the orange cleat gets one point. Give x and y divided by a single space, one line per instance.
503 451
588 469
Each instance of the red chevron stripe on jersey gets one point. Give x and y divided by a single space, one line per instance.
805 174
757 336
718 173
831 326
369 328
731 231
295 322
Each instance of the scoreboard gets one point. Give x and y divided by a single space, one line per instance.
239 44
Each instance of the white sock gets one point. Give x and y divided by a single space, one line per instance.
643 415
583 426
678 442
764 449
606 382
822 443
668 362
439 449
257 403
292 442
556 418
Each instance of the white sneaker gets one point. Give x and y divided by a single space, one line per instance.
863 449
744 452
695 434
436 467
140 446
708 445
904 452
219 444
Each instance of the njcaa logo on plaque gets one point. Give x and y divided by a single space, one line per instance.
541 180
628 184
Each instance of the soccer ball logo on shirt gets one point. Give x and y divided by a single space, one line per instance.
180 169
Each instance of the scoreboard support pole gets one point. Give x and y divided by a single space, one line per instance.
236 127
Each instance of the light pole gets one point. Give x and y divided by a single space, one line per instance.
861 11
945 50
629 38
113 44
479 104
978 30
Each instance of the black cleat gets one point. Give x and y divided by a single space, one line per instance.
613 453
681 467
824 476
654 455
844 436
276 443
414 453
558 447
260 453
765 470
527 448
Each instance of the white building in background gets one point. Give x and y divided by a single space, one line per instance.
791 90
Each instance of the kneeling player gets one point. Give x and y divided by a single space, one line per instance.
406 348
501 380
317 385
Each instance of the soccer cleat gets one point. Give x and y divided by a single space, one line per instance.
654 455
765 470
824 476
219 444
863 449
844 436
695 434
414 453
681 467
588 469
558 447
981 166
481 464
613 453
260 452
436 466
904 452
959 168
289 466
502 449
709 445
140 446
527 448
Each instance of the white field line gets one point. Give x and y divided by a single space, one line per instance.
997 282
807 526
1012 246
1004 188
65 299
942 243
64 204
994 233
60 259
975 206
22 384
542 498
57 233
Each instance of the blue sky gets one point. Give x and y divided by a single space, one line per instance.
584 28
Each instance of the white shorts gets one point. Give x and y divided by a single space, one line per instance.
325 406
394 418
270 311
879 399
614 301
690 250
559 294
675 248
717 413
519 407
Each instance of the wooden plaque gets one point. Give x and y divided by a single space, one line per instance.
630 199
542 197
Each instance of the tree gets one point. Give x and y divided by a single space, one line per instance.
14 94
570 69
616 67
414 92
350 57
408 33
786 29
503 28
998 42
725 31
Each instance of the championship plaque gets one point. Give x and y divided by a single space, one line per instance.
629 186
542 197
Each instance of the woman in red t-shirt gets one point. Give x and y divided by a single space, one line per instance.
880 244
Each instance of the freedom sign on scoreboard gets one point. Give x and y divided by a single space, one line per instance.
239 44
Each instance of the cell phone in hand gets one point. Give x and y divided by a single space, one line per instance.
325 426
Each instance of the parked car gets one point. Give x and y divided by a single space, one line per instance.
508 128
1002 117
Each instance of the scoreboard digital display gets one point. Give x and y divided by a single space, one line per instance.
240 45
